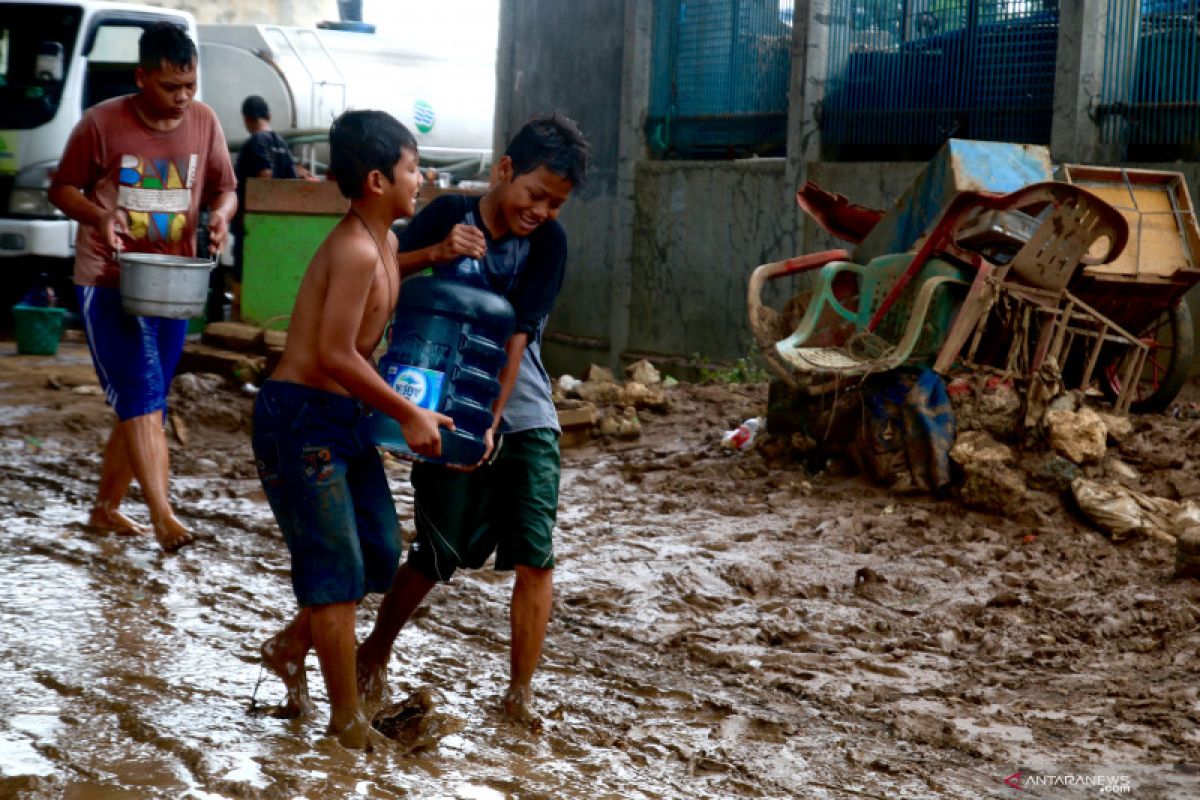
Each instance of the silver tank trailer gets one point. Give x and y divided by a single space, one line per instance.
308 76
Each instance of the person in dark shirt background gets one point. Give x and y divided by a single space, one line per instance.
264 155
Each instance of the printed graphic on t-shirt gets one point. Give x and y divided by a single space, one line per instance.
156 194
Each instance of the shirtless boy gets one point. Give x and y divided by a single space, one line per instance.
319 468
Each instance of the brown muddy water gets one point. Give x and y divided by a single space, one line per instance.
724 626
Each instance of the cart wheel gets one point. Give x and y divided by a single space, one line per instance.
1171 339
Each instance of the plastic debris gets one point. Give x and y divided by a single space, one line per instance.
1124 513
568 384
743 436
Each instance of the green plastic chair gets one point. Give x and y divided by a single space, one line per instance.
911 331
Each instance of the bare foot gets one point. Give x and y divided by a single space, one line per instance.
171 534
373 690
103 519
290 669
354 734
516 706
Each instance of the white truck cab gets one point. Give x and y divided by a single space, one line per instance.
57 59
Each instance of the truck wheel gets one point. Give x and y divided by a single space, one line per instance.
1172 344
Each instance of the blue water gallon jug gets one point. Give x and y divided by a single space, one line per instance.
445 354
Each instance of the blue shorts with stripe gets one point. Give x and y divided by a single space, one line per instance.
135 357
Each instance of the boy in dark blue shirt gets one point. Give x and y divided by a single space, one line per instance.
509 505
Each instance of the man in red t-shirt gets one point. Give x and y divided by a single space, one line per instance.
135 174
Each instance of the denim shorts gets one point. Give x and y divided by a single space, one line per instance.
325 482
508 507
135 357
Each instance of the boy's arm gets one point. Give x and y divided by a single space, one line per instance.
515 348
72 202
432 237
76 174
339 358
220 186
220 213
463 240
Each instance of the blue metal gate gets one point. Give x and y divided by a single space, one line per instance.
719 77
905 75
1150 95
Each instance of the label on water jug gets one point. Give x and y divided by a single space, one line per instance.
422 387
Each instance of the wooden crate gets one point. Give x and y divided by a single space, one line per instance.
1164 238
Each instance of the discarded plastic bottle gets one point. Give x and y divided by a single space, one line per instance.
445 354
741 437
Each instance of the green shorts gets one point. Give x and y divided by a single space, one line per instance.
508 507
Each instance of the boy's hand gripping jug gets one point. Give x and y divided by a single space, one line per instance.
445 354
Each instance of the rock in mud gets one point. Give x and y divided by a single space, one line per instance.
623 424
1053 474
1119 471
1187 553
993 487
997 409
598 374
639 395
643 372
193 385
1078 436
1119 427
600 393
978 447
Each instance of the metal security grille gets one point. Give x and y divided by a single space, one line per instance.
905 75
719 77
1150 91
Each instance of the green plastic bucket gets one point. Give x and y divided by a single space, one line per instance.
38 329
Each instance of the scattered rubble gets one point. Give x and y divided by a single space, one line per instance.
1078 436
613 406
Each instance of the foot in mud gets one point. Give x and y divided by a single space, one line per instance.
103 519
356 734
373 690
517 707
289 667
171 533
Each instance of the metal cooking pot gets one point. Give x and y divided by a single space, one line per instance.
155 285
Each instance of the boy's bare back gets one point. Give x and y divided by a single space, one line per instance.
346 298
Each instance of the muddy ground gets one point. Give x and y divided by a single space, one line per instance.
724 627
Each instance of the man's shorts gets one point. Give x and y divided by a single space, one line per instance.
509 506
135 357
325 482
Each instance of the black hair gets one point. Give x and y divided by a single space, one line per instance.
360 141
255 107
165 41
552 141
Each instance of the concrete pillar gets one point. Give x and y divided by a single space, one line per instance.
506 43
1075 136
810 63
631 149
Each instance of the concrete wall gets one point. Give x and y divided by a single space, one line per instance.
659 251
699 229
571 57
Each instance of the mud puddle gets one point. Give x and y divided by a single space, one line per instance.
723 627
